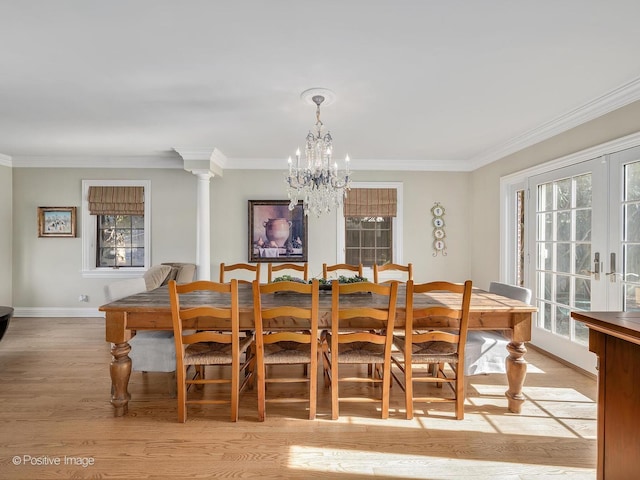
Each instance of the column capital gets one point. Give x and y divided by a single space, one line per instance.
199 161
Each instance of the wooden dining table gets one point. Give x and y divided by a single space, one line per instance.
151 311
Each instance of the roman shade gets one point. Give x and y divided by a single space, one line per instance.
116 200
371 202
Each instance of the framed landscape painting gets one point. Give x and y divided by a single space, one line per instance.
56 221
277 234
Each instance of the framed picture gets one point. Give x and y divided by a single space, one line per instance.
277 234
56 221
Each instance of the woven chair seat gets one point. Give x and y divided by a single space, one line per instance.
359 352
213 353
429 352
284 353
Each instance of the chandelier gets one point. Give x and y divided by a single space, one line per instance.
315 179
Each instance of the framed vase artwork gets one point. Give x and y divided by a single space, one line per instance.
277 234
56 221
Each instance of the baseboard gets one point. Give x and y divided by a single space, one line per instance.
563 361
56 312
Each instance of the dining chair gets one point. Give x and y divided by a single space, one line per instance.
346 344
388 267
287 347
437 347
486 350
222 345
246 268
280 267
337 268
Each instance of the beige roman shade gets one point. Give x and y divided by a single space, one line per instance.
371 202
116 200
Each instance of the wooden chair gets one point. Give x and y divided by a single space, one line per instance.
287 266
326 269
436 347
246 267
377 269
370 347
223 347
299 347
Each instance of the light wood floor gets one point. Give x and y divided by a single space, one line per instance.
54 403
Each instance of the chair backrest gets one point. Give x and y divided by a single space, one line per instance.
385 314
245 267
326 269
280 267
377 269
303 300
511 291
123 288
229 318
446 323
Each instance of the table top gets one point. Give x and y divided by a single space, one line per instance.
158 301
625 325
5 311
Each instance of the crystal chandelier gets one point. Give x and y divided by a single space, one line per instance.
316 180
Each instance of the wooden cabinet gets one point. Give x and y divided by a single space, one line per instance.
615 338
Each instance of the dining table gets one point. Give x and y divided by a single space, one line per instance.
151 310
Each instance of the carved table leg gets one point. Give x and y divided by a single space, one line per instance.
120 369
516 371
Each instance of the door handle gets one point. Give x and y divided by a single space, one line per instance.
612 268
596 266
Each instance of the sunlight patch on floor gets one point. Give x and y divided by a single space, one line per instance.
379 464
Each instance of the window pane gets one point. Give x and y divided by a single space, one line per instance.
564 257
564 226
632 181
583 293
583 225
563 289
563 188
562 321
583 191
583 258
632 224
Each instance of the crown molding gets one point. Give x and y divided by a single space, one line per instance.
616 98
5 160
358 164
91 161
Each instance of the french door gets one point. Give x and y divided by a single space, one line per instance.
584 248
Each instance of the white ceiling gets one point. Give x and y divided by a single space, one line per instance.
444 84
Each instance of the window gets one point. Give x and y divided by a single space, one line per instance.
115 225
120 241
369 240
370 226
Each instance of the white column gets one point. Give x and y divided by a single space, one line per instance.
203 227
204 164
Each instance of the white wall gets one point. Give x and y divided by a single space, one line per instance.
229 214
47 270
6 236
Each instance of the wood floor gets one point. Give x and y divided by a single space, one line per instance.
54 407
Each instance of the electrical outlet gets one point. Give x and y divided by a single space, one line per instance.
83 298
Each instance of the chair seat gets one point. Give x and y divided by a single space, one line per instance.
358 352
284 353
207 353
429 352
